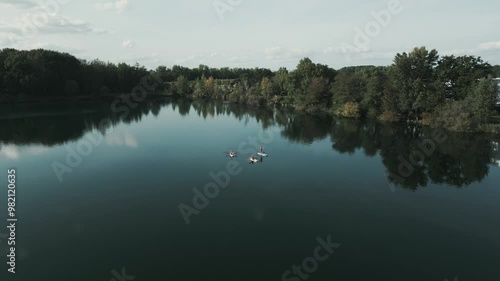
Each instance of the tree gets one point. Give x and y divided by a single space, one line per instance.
376 81
459 74
414 77
267 88
347 88
482 99
182 86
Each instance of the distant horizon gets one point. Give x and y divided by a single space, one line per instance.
210 66
249 34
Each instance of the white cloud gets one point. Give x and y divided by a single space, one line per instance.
9 151
458 52
483 47
199 58
346 49
489 46
281 53
128 44
54 47
122 138
378 55
19 3
61 24
270 53
118 5
8 39
14 152
37 150
25 28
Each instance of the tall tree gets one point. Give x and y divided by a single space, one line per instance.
459 74
414 78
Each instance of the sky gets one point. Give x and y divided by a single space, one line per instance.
251 33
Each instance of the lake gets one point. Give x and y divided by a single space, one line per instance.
149 193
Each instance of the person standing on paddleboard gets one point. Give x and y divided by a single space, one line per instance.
261 150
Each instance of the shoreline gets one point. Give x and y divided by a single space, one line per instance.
488 128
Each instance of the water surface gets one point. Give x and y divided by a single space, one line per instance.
119 205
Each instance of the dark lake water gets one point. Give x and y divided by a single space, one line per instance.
335 199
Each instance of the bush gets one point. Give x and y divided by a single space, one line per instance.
389 116
373 112
276 100
457 116
490 128
427 119
234 97
351 110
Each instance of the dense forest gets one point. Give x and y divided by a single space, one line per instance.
420 86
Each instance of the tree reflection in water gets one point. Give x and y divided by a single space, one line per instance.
461 160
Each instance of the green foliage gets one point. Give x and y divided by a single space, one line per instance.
418 86
459 74
457 116
482 99
413 77
495 71
182 86
470 114
349 87
351 110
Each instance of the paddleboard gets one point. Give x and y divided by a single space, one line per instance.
262 154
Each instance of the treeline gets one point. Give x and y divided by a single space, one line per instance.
43 73
454 92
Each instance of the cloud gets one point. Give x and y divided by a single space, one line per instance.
8 39
458 52
481 48
128 44
489 46
61 24
37 150
19 3
14 152
271 52
346 49
25 28
151 60
281 53
54 47
118 5
9 151
199 58
122 139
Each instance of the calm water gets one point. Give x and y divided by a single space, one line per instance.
119 208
